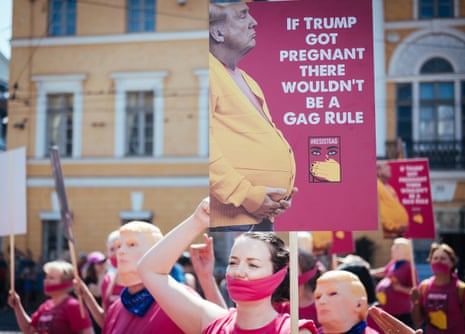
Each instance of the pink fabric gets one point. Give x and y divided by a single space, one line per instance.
249 290
280 325
64 318
306 312
57 287
308 275
396 302
109 298
119 321
444 299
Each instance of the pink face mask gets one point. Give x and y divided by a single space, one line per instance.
438 267
57 287
114 261
251 290
308 275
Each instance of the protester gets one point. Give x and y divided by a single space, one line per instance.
111 285
438 300
360 267
257 265
61 313
94 272
136 311
393 291
308 274
252 167
341 303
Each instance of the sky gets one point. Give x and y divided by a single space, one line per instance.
5 27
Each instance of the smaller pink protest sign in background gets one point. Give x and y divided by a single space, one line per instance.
410 178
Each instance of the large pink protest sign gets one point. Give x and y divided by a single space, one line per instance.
410 179
314 62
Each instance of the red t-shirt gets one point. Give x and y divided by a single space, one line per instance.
280 325
306 312
392 301
442 305
109 297
120 321
64 318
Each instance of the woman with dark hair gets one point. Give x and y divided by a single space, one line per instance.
308 273
257 266
438 300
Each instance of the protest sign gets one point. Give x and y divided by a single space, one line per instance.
13 192
314 62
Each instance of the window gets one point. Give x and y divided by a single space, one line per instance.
54 244
437 111
141 15
60 122
139 113
62 18
429 9
139 125
404 111
55 92
436 118
435 66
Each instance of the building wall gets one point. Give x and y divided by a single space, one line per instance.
402 29
99 184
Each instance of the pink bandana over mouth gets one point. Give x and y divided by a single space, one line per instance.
251 290
308 275
439 267
57 287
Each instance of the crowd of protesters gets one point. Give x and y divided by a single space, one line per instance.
334 299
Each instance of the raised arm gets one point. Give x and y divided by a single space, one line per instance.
22 318
97 312
418 317
190 312
203 261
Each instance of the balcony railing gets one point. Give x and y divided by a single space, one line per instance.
443 155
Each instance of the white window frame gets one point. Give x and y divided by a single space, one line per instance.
139 81
55 84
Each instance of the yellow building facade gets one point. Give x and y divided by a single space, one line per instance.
420 98
121 87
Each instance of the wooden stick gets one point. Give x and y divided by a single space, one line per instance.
12 261
293 282
72 254
12 222
412 265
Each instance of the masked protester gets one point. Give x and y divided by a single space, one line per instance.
342 304
61 313
438 300
309 271
257 267
393 290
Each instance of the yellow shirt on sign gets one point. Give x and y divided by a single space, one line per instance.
247 152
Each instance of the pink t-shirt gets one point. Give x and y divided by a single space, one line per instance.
306 312
280 325
119 321
64 318
109 298
441 304
392 301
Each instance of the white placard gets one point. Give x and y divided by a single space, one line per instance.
13 192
